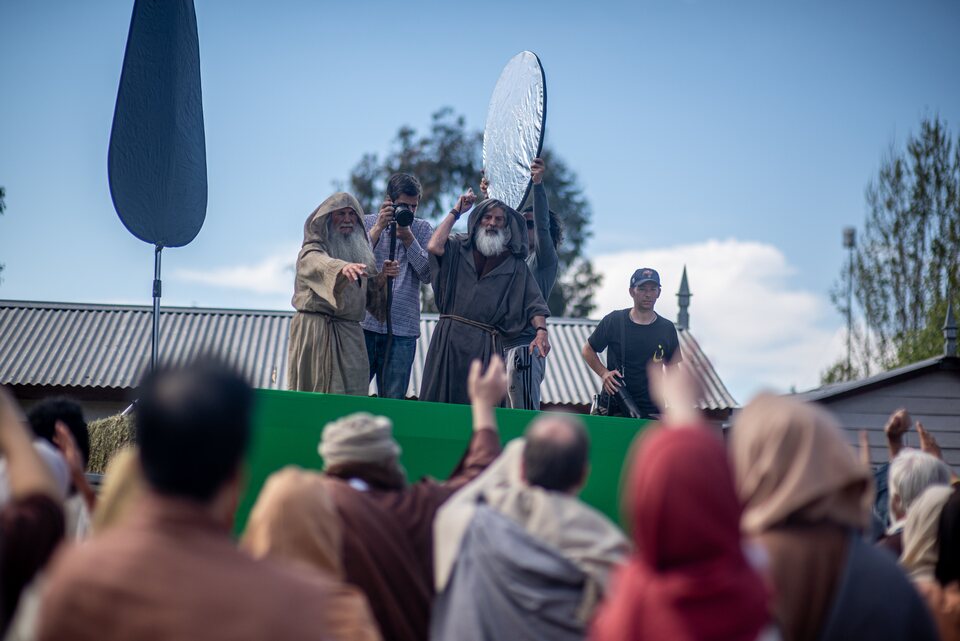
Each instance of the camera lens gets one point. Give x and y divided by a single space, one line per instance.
403 215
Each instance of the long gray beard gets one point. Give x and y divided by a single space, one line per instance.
353 248
490 244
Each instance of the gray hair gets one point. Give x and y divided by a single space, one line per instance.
912 472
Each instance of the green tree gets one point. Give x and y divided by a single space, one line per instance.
907 263
447 160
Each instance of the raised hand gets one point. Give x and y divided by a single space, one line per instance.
487 387
537 170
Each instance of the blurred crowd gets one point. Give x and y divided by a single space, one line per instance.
779 529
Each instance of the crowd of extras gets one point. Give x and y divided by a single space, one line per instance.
778 529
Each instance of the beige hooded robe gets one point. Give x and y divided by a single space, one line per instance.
327 352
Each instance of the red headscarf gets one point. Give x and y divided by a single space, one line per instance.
688 579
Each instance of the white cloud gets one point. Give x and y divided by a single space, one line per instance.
271 275
757 329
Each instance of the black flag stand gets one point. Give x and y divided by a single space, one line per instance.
155 347
381 386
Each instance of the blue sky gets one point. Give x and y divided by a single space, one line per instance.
734 137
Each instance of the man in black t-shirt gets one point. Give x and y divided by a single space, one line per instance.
633 337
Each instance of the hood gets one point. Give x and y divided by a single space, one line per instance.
315 227
516 223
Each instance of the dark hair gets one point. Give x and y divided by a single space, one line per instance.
947 569
193 426
44 415
403 184
556 225
556 462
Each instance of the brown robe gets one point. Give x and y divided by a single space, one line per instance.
169 571
327 352
388 535
498 299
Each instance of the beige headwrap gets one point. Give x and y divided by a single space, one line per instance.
920 546
792 463
294 518
123 487
358 438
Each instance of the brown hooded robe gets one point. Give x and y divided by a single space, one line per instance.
490 305
327 352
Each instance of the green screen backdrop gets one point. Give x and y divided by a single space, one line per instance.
434 436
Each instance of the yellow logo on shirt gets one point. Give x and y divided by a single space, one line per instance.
659 354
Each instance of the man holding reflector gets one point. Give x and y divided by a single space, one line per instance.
485 294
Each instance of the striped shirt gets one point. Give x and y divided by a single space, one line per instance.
414 269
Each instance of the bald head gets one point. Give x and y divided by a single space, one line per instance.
556 454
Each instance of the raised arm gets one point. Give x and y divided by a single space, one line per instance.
487 390
26 471
546 251
438 241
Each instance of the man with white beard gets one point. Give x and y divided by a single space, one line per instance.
335 282
485 294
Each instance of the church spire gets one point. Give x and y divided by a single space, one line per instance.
683 299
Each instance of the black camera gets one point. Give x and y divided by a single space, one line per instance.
403 214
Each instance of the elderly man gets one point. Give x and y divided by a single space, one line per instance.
485 293
336 282
170 570
911 472
387 521
531 532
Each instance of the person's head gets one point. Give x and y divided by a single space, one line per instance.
347 239
122 488
688 576
645 288
404 189
911 472
361 438
45 415
336 226
492 235
919 555
556 454
948 542
294 519
556 228
793 465
193 427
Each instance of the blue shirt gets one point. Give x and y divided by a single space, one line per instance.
414 269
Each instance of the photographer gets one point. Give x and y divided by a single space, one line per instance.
400 205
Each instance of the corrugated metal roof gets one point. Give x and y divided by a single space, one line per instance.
108 346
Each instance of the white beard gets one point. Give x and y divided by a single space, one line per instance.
491 244
353 248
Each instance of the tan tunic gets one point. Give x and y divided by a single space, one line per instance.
327 352
171 572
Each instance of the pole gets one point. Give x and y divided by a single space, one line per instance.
849 242
381 384
154 352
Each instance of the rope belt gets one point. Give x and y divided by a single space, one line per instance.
330 318
490 329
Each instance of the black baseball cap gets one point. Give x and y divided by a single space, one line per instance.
644 275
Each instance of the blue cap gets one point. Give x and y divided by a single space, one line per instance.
644 275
